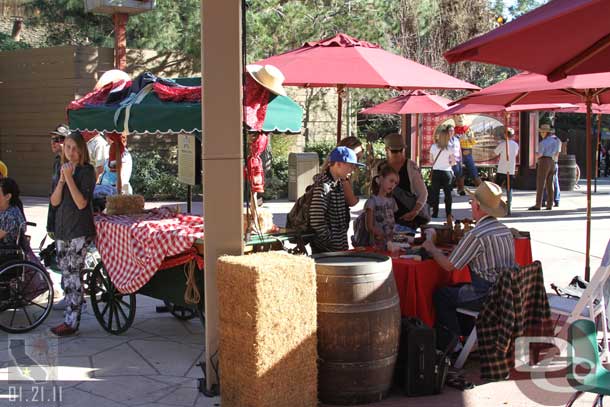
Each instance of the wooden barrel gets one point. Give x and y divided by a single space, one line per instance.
358 326
567 172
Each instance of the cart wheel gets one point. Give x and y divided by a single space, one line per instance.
180 312
26 296
114 311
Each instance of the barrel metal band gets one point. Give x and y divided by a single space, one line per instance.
371 364
355 308
363 278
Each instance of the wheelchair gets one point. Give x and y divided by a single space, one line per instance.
26 289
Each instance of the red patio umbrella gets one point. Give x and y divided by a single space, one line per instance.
530 88
563 37
346 62
412 102
416 101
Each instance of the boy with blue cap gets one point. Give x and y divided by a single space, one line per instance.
329 214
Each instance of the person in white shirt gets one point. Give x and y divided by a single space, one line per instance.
454 143
443 158
507 164
97 147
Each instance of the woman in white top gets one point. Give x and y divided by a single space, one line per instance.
443 158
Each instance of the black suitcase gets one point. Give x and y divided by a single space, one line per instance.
421 369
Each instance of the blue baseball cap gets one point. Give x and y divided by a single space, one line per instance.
344 155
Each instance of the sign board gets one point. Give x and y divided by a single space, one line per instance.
189 159
488 129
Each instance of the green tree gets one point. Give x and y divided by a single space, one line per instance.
524 6
171 26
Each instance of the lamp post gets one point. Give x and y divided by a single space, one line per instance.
120 10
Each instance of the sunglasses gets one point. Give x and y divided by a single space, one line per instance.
397 151
58 139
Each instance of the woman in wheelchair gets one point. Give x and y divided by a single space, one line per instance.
11 219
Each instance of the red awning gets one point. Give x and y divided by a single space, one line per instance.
563 37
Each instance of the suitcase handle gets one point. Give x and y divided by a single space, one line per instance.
421 362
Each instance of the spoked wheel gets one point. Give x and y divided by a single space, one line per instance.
180 312
113 310
26 296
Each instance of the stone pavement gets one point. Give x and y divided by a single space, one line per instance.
154 362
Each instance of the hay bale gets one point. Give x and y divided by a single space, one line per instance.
124 204
268 322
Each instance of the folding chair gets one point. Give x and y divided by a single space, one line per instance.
591 306
531 284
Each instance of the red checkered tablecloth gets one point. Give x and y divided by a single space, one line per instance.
132 247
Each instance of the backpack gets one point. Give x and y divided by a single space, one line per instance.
298 217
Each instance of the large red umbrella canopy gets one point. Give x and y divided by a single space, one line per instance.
474 108
563 37
530 88
346 62
416 101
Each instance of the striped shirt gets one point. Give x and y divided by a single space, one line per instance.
328 215
487 249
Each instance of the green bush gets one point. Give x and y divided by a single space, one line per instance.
154 176
322 148
7 43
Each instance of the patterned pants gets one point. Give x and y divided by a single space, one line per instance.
71 259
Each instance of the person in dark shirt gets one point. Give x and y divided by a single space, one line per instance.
74 226
57 142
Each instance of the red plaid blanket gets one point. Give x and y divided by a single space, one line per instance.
132 247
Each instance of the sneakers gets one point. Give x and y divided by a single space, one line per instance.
61 305
64 330
556 204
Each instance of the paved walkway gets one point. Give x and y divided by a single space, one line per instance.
154 363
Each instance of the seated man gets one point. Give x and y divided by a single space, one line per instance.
487 249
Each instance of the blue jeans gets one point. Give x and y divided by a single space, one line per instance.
556 192
457 169
468 162
448 299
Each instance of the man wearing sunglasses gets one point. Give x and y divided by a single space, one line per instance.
57 141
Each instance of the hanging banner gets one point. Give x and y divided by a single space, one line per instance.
487 128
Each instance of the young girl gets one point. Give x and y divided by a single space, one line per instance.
375 226
74 227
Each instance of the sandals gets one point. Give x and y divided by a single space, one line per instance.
457 381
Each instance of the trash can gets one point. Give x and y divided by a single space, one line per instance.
301 169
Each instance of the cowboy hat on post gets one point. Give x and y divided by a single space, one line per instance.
268 76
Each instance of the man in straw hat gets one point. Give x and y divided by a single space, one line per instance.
487 249
548 149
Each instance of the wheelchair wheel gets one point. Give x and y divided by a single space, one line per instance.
113 310
26 296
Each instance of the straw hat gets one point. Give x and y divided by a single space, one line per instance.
3 170
268 76
489 196
545 128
